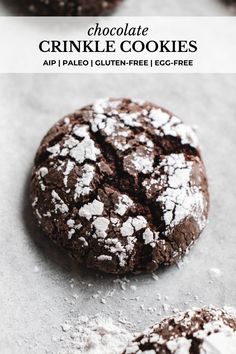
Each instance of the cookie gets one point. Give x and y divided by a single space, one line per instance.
230 1
202 331
71 7
121 186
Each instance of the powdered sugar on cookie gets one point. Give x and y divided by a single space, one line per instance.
83 183
203 331
179 197
124 203
91 209
166 124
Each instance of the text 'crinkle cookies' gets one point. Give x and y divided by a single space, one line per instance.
121 186
203 331
71 7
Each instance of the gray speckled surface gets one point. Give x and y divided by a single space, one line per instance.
150 8
36 293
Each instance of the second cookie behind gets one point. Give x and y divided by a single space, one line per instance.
71 7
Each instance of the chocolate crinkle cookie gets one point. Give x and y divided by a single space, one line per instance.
71 7
121 186
203 331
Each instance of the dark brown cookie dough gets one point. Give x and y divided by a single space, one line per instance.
203 331
71 7
229 1
121 186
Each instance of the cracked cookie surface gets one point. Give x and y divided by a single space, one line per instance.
121 186
71 7
198 331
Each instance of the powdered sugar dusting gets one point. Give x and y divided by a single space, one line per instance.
78 150
54 150
178 197
82 186
166 124
133 224
91 209
131 119
179 345
101 105
85 150
59 203
72 227
150 237
69 167
94 335
142 163
124 203
101 225
122 250
219 343
81 131
41 173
